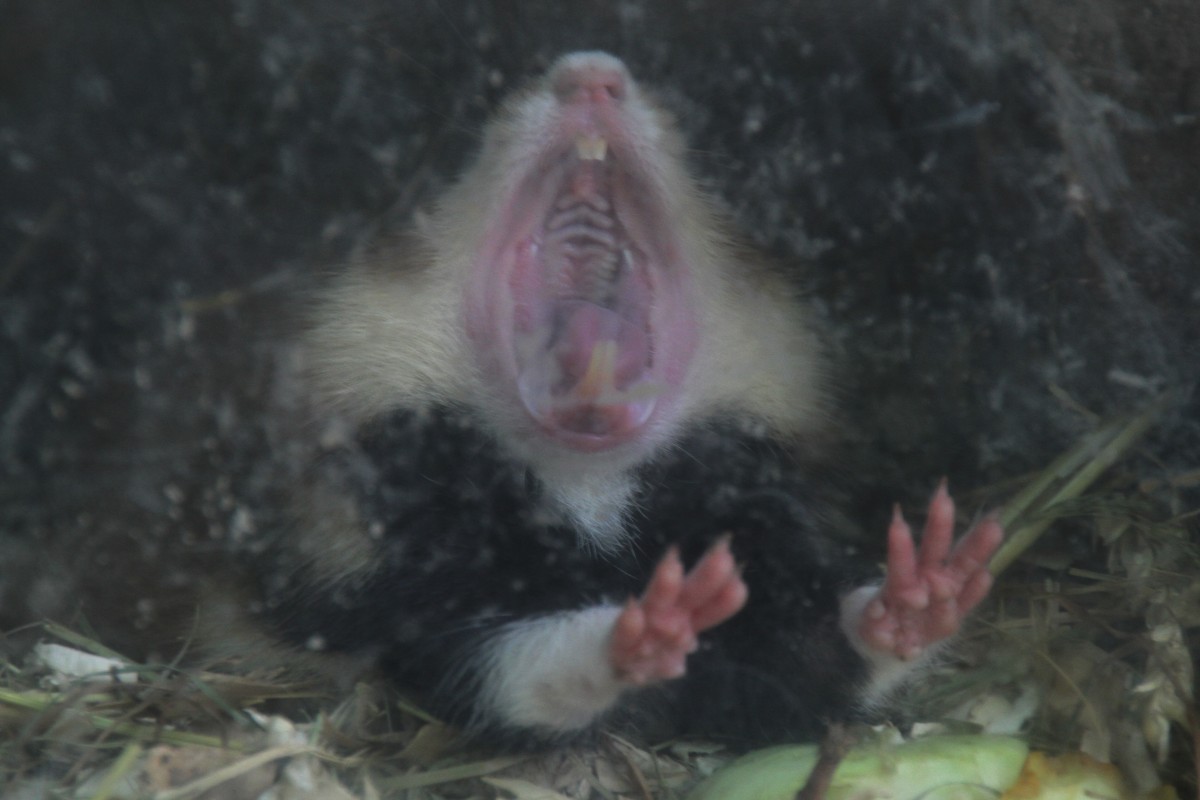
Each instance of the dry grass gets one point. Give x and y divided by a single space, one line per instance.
1078 651
173 734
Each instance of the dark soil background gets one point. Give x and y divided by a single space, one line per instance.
994 208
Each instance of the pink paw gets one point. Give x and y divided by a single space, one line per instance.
927 594
653 636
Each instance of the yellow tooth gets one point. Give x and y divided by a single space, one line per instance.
598 384
601 371
591 148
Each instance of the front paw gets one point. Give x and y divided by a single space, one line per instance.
928 592
653 636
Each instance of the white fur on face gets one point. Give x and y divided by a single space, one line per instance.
391 331
554 672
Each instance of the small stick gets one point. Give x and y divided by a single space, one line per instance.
834 746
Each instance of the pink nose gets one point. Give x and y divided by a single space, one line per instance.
593 83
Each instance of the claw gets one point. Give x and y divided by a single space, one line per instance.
929 591
652 637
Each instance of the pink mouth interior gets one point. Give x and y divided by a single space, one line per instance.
582 297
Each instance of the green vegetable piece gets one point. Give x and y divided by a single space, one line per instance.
934 768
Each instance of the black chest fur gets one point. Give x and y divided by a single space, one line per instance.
466 541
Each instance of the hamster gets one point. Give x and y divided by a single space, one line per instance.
573 494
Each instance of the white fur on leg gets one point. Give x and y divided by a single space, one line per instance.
554 672
887 672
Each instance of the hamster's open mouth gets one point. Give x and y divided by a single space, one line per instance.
591 309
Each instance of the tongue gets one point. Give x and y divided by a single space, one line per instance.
591 377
